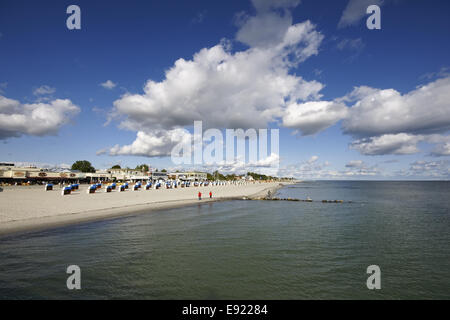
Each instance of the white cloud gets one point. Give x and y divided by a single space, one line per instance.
37 119
423 110
224 89
3 86
314 116
308 170
441 150
154 143
442 144
43 90
355 11
108 84
248 88
430 169
351 44
442 73
388 122
264 30
313 159
354 164
268 166
400 143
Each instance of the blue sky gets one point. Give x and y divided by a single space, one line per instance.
385 130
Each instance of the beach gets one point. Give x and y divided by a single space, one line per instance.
27 208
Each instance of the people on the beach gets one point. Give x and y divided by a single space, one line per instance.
199 195
210 194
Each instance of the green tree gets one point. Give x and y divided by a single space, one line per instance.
83 166
116 167
163 170
218 176
142 167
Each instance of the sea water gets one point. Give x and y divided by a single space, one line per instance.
250 249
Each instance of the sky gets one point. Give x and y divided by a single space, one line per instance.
349 102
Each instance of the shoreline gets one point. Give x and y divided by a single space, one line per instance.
17 227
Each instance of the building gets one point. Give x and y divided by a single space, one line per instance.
99 176
129 174
9 173
12 174
189 176
157 176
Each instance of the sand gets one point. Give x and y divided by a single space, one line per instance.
28 208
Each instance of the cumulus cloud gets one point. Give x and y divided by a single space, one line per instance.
431 169
400 143
314 116
247 88
108 84
153 143
355 11
423 110
354 164
37 119
307 170
442 144
225 89
267 165
313 159
269 26
43 90
384 121
441 150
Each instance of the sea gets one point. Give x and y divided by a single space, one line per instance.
244 249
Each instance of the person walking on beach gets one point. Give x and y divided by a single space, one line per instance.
199 195
210 194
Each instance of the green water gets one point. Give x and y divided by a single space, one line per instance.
250 249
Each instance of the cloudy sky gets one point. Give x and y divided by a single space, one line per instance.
350 103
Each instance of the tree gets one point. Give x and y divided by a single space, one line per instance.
216 175
231 177
83 166
142 167
163 170
116 167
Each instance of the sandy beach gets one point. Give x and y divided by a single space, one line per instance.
26 208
